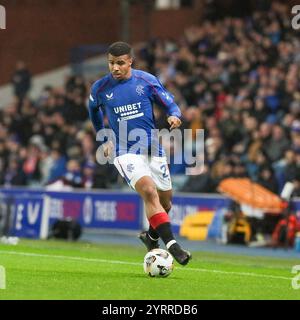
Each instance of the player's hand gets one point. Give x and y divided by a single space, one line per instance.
174 122
108 148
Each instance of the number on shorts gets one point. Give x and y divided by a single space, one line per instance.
164 170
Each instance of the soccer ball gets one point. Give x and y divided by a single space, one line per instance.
158 263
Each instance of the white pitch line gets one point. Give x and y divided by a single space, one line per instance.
28 254
238 273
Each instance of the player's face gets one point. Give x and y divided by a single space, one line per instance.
120 67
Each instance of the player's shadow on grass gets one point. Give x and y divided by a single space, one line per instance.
119 274
145 276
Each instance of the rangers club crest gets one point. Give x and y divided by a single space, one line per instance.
139 90
130 167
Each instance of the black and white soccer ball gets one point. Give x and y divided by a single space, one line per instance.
158 263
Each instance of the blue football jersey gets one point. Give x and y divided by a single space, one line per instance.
128 105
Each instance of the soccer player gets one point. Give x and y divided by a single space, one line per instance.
128 95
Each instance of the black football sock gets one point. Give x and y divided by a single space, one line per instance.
160 222
153 234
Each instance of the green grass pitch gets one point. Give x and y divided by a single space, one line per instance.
64 270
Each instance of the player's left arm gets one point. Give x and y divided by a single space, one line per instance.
174 122
166 100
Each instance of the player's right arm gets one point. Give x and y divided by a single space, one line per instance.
95 112
96 116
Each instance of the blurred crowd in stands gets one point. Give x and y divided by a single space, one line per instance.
236 78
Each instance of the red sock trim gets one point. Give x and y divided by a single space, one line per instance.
158 219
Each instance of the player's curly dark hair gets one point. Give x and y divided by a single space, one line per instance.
120 48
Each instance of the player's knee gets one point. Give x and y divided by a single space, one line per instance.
149 193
